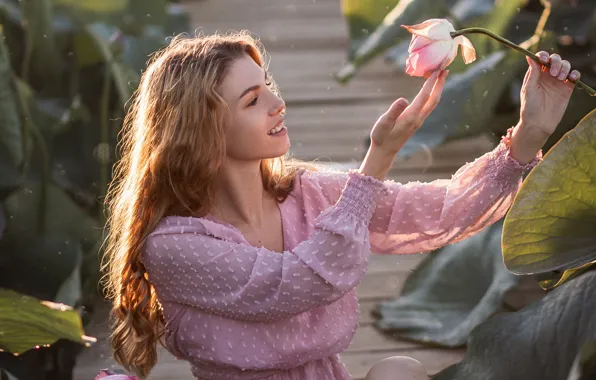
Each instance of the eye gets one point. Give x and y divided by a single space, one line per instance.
253 102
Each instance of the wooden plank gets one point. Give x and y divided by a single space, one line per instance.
366 308
279 23
434 360
367 338
381 285
394 263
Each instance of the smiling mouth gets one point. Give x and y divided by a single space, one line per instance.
277 128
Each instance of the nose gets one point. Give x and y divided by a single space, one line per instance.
279 107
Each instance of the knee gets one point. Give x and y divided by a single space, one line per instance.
397 368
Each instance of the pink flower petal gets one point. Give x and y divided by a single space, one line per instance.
450 58
418 42
467 49
434 29
429 58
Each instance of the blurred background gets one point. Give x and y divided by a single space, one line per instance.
68 67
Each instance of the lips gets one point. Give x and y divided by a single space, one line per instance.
277 127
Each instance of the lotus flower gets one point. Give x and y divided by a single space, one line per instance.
433 48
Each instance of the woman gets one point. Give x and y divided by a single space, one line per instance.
245 261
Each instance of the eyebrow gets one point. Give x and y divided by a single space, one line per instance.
252 88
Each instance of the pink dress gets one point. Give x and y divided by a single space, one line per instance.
239 312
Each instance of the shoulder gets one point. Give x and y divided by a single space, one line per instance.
184 233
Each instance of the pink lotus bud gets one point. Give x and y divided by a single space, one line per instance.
432 48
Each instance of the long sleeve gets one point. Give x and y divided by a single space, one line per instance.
239 281
420 217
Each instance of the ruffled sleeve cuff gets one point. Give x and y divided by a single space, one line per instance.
507 167
360 195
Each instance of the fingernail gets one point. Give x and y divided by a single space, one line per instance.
544 58
573 76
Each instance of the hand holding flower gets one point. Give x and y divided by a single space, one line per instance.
545 95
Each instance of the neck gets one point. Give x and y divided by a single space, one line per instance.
240 196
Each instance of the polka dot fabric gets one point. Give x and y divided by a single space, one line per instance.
239 312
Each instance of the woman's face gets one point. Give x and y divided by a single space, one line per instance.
254 112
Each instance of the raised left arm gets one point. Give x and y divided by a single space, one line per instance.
420 217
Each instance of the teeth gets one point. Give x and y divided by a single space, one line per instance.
276 129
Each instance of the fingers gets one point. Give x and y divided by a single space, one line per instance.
424 94
533 74
559 68
565 69
435 95
574 76
396 109
555 64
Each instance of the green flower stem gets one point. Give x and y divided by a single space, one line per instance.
514 46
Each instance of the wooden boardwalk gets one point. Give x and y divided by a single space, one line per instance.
306 40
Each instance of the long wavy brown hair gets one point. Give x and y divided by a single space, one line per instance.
172 149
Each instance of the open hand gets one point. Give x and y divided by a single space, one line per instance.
546 92
401 120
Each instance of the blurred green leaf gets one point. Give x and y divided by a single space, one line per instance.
39 263
10 124
5 375
41 51
362 18
96 6
455 289
28 322
99 35
552 223
539 342
561 278
61 214
584 367
71 290
2 220
390 32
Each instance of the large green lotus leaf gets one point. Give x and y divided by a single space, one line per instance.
27 322
454 290
38 262
552 223
538 342
60 215
362 18
11 137
45 58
